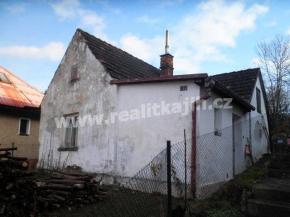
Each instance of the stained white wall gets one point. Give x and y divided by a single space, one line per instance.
91 95
241 161
260 144
214 153
141 140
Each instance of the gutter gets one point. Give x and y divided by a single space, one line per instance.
195 77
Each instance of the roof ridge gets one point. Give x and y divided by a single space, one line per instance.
110 45
249 69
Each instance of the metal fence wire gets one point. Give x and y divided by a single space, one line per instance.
145 194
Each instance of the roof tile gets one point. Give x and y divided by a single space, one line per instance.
120 64
241 82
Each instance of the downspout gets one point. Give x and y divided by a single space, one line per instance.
193 150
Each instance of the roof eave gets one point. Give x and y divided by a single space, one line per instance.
218 87
194 77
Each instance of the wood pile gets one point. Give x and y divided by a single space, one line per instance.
24 193
16 185
68 189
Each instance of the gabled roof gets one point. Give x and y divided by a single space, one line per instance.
240 82
120 64
16 92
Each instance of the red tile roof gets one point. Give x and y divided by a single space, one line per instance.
18 93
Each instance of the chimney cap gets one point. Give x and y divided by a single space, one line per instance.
166 54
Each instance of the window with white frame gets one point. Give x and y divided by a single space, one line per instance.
217 121
24 127
71 132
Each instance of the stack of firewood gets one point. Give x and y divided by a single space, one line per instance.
8 160
67 189
25 193
16 185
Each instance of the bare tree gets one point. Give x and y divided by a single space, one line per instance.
274 60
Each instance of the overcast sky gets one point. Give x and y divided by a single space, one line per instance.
210 36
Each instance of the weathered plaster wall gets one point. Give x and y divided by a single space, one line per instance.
141 140
214 153
91 95
27 145
258 121
242 138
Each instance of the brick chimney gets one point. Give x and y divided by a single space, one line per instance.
166 60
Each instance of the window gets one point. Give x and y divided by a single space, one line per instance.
258 131
218 122
258 98
71 132
183 88
4 79
74 73
24 127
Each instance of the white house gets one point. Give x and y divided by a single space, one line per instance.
109 112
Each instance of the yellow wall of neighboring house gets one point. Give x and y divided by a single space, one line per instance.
27 146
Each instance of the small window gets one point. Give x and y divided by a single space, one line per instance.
258 131
71 132
4 79
218 121
183 88
74 74
258 98
24 127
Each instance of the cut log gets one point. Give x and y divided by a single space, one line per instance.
13 163
66 181
8 149
56 186
17 158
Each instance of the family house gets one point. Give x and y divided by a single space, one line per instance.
19 115
110 112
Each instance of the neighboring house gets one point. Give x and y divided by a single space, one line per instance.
19 115
125 104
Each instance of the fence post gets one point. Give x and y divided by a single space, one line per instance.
168 151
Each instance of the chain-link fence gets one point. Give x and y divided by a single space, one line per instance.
222 154
194 172
219 156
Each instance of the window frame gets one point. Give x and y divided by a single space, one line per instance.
74 74
28 127
73 144
183 88
218 129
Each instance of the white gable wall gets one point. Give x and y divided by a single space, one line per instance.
91 95
258 122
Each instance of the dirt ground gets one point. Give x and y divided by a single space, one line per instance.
119 203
